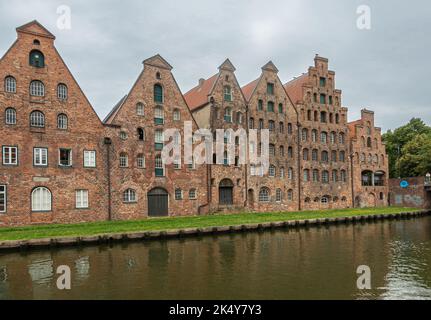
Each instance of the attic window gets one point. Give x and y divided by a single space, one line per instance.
158 76
36 42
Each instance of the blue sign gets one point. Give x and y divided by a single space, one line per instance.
404 184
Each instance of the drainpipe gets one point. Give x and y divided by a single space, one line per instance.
108 143
247 155
298 138
351 177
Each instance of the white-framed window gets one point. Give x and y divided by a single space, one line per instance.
37 88
177 115
10 116
227 93
192 194
40 157
324 200
62 121
62 91
129 196
323 137
159 115
140 110
178 194
10 156
37 119
124 160
3 198
65 157
264 195
278 195
41 200
325 176
290 195
272 171
89 158
140 161
10 84
290 173
159 166
81 199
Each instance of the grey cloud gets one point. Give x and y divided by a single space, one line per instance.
385 69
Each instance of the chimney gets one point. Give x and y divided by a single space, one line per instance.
201 82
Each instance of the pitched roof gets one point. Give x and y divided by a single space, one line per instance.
35 28
248 89
294 88
114 110
198 96
158 61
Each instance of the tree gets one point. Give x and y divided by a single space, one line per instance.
407 147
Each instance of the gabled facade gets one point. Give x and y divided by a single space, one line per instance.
142 184
52 157
369 162
269 107
324 139
60 164
218 103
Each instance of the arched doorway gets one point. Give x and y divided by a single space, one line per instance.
158 199
225 192
371 200
251 198
358 202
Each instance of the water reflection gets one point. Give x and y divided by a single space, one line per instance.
319 263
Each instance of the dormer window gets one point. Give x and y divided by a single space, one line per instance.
37 59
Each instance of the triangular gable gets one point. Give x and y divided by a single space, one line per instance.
35 28
227 65
158 61
111 115
270 66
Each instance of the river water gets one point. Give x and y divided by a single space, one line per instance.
315 263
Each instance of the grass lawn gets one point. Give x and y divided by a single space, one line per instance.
153 224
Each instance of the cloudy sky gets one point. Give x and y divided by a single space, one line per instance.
386 69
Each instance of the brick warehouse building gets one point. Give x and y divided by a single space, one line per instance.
61 164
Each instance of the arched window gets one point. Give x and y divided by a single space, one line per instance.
290 152
304 134
343 176
10 116
290 173
332 137
227 93
324 200
278 195
342 156
124 160
192 194
140 111
62 91
325 176
334 175
62 121
281 127
324 137
271 125
314 155
158 93
140 161
272 171
305 154
176 115
315 175
306 175
264 195
369 142
334 156
158 76
141 134
239 117
282 172
251 123
309 115
323 117
271 149
37 88
290 195
37 59
337 116
37 119
325 157
41 200
10 84
289 128
341 138
129 196
363 141
281 150
307 200
159 116
228 115
280 108
314 135
270 106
